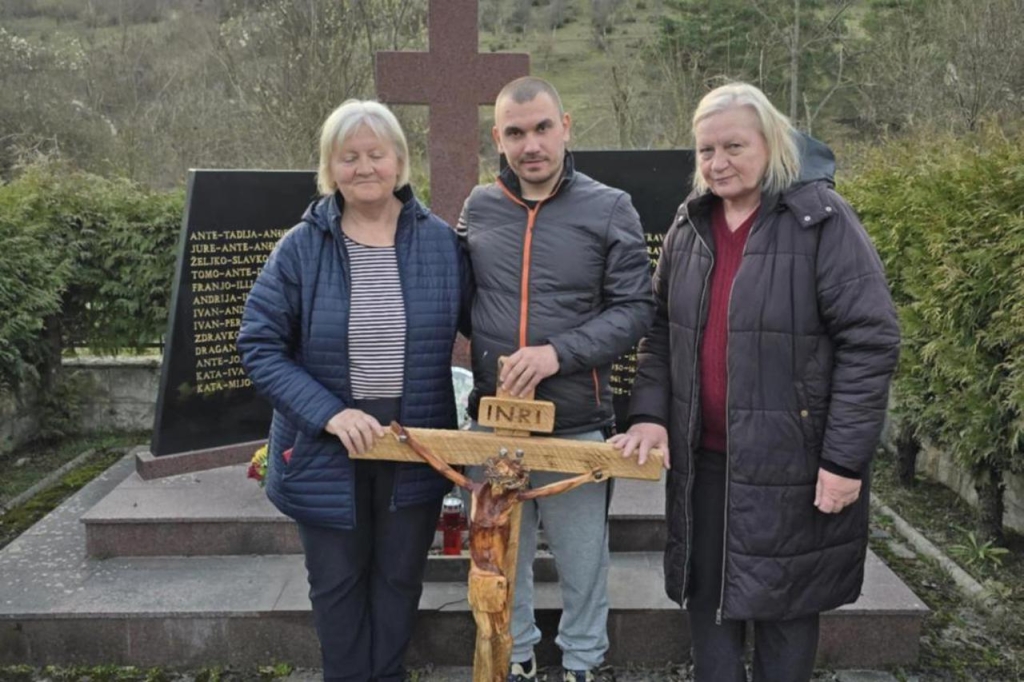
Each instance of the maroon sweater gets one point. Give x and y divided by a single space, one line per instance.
714 362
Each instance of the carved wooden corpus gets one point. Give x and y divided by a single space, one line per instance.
493 545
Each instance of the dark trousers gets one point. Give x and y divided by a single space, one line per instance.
365 583
784 650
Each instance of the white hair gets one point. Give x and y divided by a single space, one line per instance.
352 115
779 134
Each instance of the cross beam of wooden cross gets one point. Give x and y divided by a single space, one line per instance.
474 448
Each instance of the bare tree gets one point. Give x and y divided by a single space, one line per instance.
682 83
623 98
984 44
292 61
898 66
945 63
826 36
602 17
559 13
391 24
492 16
519 20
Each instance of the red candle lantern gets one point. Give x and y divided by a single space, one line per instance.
452 523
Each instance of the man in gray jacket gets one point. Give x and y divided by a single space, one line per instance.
563 288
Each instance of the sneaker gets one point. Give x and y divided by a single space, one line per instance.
577 676
523 672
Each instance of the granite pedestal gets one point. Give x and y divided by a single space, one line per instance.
199 569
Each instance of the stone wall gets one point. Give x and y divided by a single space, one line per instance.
125 391
17 421
123 398
941 467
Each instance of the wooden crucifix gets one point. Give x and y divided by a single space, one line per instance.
508 455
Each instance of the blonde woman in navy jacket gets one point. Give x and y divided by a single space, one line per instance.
349 325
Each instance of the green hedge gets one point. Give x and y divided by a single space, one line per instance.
84 259
948 217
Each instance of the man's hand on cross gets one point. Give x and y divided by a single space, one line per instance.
642 438
526 368
356 430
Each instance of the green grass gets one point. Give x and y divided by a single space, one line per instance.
42 458
569 57
959 641
109 448
113 673
943 516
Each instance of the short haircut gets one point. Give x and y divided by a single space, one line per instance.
523 90
345 121
779 135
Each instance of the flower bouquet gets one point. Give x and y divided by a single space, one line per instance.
258 466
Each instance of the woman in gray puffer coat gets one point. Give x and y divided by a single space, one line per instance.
766 377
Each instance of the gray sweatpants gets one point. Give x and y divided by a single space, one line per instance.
576 528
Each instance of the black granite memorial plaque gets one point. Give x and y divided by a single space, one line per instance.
232 221
657 181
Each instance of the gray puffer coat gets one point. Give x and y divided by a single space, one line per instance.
571 271
813 343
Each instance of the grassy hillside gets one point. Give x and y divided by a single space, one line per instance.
572 60
148 88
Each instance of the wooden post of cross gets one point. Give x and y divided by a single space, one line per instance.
492 608
508 454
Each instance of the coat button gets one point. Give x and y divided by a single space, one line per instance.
804 413
807 218
828 209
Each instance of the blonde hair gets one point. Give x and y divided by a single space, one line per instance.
346 120
779 135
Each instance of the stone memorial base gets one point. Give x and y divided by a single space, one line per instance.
198 569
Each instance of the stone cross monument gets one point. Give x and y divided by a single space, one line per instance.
454 79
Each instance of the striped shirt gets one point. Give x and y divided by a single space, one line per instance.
376 323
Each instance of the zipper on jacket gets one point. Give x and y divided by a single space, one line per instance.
392 505
597 387
524 282
693 402
728 459
346 267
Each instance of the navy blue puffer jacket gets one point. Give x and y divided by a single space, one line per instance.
293 344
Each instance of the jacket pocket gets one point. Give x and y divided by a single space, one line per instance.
811 420
298 459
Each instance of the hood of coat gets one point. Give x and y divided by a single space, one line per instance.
817 162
